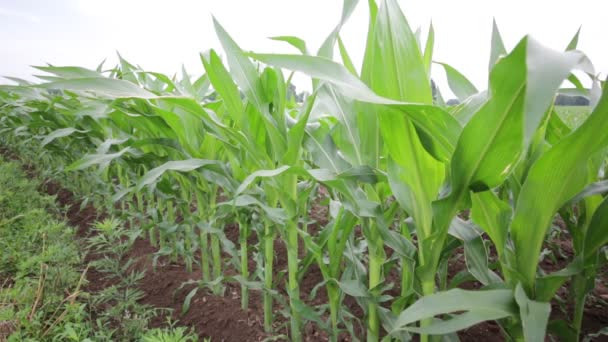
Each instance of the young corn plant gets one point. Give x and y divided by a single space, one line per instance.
417 177
479 156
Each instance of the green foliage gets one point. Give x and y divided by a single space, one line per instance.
39 262
573 116
408 180
173 334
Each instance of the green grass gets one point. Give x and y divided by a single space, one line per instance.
42 280
573 116
40 257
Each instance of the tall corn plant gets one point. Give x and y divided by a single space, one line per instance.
367 136
522 86
269 143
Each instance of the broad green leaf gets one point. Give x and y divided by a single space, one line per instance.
547 69
464 230
465 110
333 180
459 84
346 135
397 65
296 42
441 130
439 126
596 188
428 50
498 47
327 48
326 70
247 78
419 175
348 63
534 316
211 121
101 86
495 303
19 81
277 215
493 216
163 80
398 72
548 285
354 288
60 133
69 71
597 232
366 68
177 165
188 300
296 134
103 160
122 193
492 141
243 71
323 150
127 70
188 128
574 41
563 329
557 176
104 147
556 128
397 242
522 87
458 322
222 82
477 262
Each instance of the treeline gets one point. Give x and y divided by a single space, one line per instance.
560 100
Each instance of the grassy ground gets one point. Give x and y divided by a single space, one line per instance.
42 276
573 116
39 263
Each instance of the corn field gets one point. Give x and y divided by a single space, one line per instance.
407 181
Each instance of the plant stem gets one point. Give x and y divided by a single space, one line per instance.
188 247
217 260
334 306
407 269
216 252
152 232
580 296
428 288
376 260
293 285
203 238
268 260
244 265
204 246
171 220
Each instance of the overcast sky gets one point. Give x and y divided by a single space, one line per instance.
162 35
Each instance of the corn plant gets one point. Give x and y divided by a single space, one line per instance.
409 179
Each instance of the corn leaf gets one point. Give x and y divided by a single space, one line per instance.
553 179
481 305
153 175
459 84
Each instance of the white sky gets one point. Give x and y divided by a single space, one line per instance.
160 35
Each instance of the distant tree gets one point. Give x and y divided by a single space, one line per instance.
434 90
581 101
567 100
291 92
54 92
452 102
